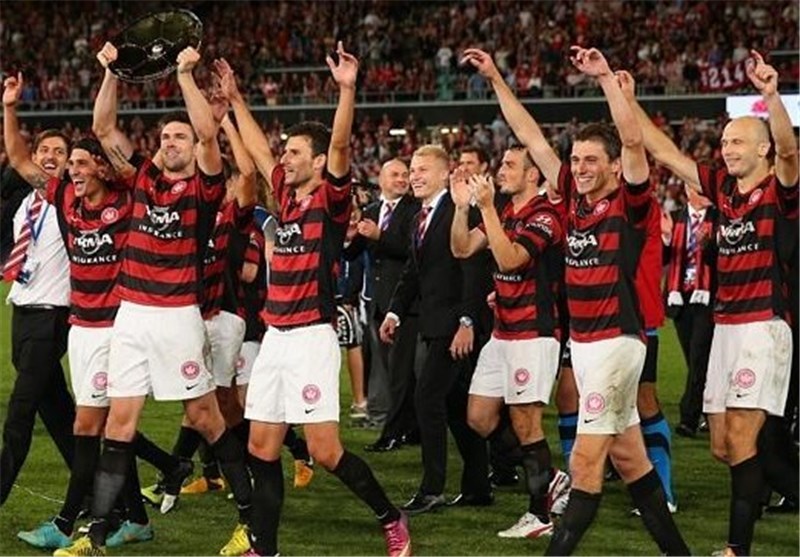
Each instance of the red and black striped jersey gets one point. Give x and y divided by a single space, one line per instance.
604 246
253 295
96 237
751 275
649 271
309 241
222 261
527 298
172 221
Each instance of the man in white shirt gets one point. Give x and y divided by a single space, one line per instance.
39 269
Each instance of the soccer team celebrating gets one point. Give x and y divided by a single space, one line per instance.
176 294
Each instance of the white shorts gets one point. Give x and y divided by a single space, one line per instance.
162 350
519 371
244 364
607 375
88 364
225 335
295 378
749 367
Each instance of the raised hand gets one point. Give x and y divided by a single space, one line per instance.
589 61
481 61
219 105
227 79
107 55
459 188
482 188
345 70
763 76
187 59
12 89
627 84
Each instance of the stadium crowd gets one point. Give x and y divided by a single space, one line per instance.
672 47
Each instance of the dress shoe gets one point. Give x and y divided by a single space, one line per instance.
503 479
471 500
410 438
685 431
703 427
384 445
422 503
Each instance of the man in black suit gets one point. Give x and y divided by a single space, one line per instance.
384 231
689 234
449 299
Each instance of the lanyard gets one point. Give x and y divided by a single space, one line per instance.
37 230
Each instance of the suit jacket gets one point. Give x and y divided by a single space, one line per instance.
447 288
389 253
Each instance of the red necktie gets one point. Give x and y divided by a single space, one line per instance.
422 224
19 252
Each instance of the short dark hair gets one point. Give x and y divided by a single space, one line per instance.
92 146
317 132
48 133
527 161
602 133
176 116
483 158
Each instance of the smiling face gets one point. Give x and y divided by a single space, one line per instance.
470 163
595 173
84 172
51 155
177 146
299 162
745 145
393 179
428 176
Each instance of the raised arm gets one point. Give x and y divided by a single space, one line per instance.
765 79
656 141
252 136
246 192
344 71
209 158
19 156
521 122
463 241
115 143
591 62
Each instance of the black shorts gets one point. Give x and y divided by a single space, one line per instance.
348 327
650 371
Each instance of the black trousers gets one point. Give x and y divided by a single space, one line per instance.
399 359
38 342
695 326
440 398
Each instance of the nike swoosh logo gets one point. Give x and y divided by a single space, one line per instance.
309 410
742 395
190 387
520 392
589 420
97 395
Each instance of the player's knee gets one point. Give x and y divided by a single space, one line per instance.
326 455
482 424
586 470
719 452
88 425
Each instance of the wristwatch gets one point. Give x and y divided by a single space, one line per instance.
465 321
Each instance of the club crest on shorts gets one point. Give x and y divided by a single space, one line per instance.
100 381
595 403
744 378
109 215
311 394
522 376
190 370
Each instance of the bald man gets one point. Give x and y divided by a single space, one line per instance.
750 361
384 232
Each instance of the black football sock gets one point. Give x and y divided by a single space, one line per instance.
357 475
231 456
132 495
242 432
580 513
84 466
187 442
538 468
267 504
648 496
296 445
155 455
108 483
210 464
747 483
